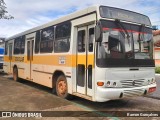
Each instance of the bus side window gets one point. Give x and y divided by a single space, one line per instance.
47 38
91 38
10 51
37 42
81 41
19 45
22 45
62 37
6 48
28 50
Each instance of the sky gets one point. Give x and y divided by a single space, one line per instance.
31 13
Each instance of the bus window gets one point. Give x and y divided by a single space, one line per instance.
47 37
19 45
22 44
81 75
91 38
28 50
62 39
115 47
81 41
90 76
37 41
10 51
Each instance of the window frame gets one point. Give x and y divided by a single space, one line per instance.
62 38
46 42
37 42
18 49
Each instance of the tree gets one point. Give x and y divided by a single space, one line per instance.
3 11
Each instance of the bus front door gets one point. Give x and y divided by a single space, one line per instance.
85 60
10 47
30 44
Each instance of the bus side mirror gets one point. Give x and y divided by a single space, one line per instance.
98 33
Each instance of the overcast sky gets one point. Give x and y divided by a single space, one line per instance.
31 13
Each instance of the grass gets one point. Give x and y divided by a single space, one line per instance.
157 70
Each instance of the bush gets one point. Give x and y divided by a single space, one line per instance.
157 70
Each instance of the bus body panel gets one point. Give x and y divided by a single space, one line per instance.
79 67
130 82
103 94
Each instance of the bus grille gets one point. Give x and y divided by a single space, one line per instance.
132 83
132 93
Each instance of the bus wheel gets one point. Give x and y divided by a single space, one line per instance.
61 87
15 74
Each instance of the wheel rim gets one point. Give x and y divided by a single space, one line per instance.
62 87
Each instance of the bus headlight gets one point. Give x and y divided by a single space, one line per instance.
153 80
114 84
108 84
149 82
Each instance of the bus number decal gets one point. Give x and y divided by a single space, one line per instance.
62 60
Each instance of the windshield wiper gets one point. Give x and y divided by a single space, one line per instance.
125 32
141 29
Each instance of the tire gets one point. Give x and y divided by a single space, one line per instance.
15 74
62 88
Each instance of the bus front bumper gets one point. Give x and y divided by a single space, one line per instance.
106 94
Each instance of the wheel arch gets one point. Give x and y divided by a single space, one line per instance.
55 75
15 73
15 66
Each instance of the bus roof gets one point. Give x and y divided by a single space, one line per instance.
59 20
71 16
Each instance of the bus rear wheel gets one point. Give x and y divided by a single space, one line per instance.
15 74
62 88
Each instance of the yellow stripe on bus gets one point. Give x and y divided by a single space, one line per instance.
69 60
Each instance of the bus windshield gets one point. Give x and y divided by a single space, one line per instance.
125 44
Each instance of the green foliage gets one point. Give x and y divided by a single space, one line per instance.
3 11
157 70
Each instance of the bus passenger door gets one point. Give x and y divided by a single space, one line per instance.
85 60
10 46
90 60
30 45
81 60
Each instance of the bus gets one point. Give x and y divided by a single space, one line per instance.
100 53
1 58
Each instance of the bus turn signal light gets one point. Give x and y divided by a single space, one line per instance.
100 83
152 89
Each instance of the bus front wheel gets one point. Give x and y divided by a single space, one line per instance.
62 87
15 74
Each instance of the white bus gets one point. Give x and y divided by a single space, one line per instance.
99 53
